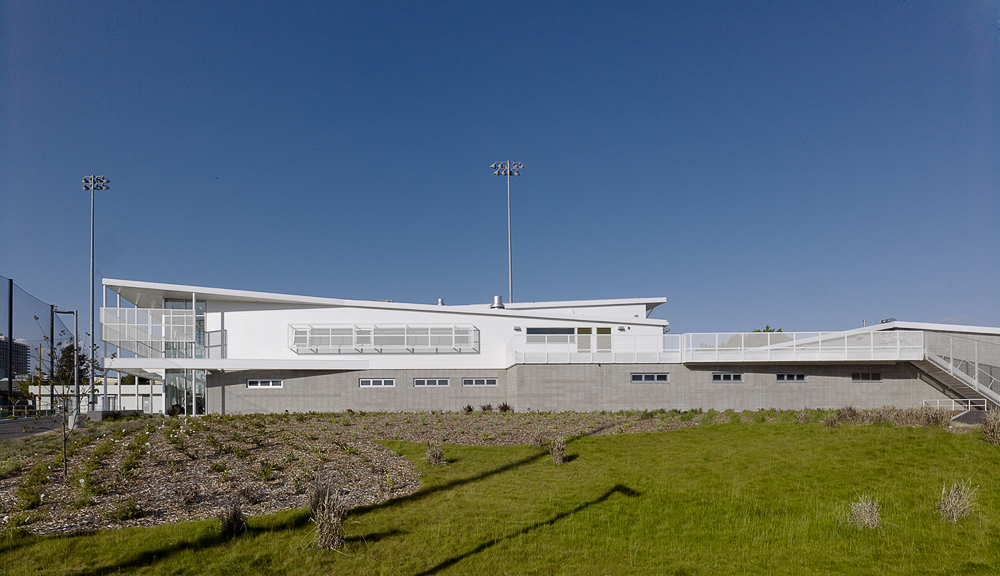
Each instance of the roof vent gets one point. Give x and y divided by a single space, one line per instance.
440 301
887 320
497 302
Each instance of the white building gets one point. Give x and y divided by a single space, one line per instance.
230 351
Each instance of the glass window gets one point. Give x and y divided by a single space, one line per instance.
479 382
427 382
651 377
377 382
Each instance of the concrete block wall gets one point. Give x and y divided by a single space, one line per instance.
580 387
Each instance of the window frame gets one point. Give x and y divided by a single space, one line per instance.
645 378
487 379
437 382
259 386
361 383
872 376
720 377
790 377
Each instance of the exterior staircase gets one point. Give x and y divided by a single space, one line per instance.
968 367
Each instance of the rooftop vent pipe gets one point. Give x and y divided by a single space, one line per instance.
497 302
440 301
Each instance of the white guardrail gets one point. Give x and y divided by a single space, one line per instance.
974 362
957 404
717 347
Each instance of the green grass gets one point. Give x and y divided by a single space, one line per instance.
722 499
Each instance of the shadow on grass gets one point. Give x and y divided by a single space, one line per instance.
618 489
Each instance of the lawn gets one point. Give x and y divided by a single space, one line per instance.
733 498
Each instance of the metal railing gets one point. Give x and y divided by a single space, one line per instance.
957 404
975 363
803 346
383 339
716 347
148 332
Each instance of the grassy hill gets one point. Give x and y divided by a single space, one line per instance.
722 498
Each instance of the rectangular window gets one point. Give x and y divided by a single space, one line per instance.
866 376
430 382
550 331
651 377
727 377
604 330
479 381
377 382
265 384
786 377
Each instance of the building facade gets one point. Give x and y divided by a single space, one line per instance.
208 350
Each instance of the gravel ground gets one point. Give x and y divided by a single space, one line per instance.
191 469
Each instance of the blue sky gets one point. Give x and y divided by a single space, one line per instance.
806 165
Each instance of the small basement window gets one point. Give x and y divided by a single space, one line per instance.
866 376
787 377
727 377
265 384
479 381
651 377
378 382
430 382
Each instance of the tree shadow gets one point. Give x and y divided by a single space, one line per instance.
619 489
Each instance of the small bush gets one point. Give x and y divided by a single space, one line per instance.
849 415
537 438
11 465
484 436
991 427
127 510
486 407
957 502
328 506
468 409
932 416
505 407
557 448
865 513
802 417
232 522
435 455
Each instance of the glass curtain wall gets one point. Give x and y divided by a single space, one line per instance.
184 390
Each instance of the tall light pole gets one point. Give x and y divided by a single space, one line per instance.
94 183
508 169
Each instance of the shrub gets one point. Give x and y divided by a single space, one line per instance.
537 438
865 513
957 502
328 507
802 417
484 436
505 407
486 407
11 465
991 427
232 522
881 414
932 416
557 448
127 510
468 409
848 415
435 455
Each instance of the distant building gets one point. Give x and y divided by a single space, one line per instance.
20 357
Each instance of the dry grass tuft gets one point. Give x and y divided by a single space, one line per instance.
557 448
328 505
849 415
865 513
231 519
881 414
957 502
435 455
931 416
537 438
802 417
991 427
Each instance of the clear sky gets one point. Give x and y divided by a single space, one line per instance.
807 165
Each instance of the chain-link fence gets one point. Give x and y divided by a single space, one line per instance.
32 338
